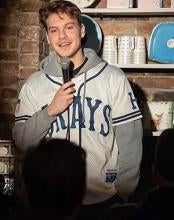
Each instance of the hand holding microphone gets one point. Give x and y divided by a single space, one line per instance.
65 63
65 95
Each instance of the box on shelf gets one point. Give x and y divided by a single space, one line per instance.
120 4
172 3
149 4
6 148
157 116
7 159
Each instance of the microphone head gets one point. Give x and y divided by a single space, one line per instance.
64 62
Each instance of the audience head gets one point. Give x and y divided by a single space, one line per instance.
54 176
164 159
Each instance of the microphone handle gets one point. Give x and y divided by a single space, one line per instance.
66 75
66 78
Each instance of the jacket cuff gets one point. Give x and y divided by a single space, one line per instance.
47 117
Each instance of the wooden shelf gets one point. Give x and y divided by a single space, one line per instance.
133 12
128 11
146 66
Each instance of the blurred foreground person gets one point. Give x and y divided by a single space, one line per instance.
159 202
54 180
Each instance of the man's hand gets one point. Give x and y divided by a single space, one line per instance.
62 99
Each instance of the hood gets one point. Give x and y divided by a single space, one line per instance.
50 66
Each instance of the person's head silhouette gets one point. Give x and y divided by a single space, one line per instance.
55 179
163 160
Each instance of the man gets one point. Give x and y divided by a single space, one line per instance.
54 177
96 109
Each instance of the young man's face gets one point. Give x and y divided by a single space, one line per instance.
65 34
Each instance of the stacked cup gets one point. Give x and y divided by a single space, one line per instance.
120 3
110 49
139 50
130 49
125 49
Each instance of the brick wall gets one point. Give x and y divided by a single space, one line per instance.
32 42
9 63
22 46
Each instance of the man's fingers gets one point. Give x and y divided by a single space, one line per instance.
67 85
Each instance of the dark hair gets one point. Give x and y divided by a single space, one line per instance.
59 7
164 154
55 177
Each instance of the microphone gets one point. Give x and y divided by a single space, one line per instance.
65 62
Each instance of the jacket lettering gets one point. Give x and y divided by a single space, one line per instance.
94 112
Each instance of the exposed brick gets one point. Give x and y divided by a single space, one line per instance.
5 129
29 18
27 60
9 68
145 28
164 95
9 65
157 94
12 18
26 72
9 93
131 74
3 43
31 6
6 107
8 30
30 47
148 94
12 43
2 16
117 28
161 19
8 80
155 82
29 33
6 117
13 4
8 56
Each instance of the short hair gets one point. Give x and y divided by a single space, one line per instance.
164 154
54 174
61 6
